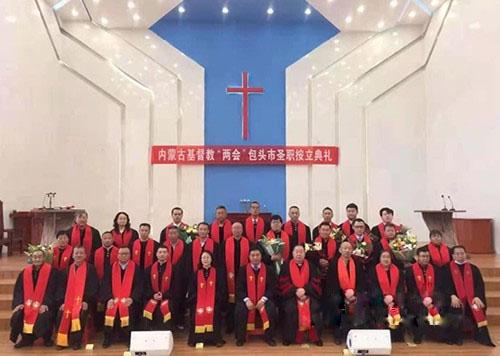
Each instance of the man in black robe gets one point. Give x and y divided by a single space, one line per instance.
298 232
300 295
245 305
88 300
177 214
77 233
133 300
142 255
43 325
201 243
465 300
327 215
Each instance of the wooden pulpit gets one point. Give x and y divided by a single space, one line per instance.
441 220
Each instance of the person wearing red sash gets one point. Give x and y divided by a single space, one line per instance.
346 293
159 290
300 291
82 234
362 240
386 292
62 252
123 234
424 298
121 293
206 296
466 300
176 213
220 229
276 233
234 255
327 215
387 215
255 226
103 259
144 248
255 296
440 254
202 243
299 233
81 289
383 244
33 301
352 213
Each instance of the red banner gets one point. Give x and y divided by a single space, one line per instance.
245 155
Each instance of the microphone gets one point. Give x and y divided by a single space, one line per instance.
444 203
451 201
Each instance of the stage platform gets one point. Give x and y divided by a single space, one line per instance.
489 264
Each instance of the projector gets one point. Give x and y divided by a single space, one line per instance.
369 342
151 343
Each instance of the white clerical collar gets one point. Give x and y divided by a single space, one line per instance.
123 265
359 237
460 263
256 267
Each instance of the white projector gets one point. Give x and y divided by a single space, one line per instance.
151 343
369 342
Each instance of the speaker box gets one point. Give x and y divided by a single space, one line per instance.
369 342
151 343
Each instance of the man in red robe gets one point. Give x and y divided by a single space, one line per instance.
300 291
81 289
234 255
387 216
255 300
220 229
35 294
327 215
352 213
440 254
255 226
62 252
202 243
82 234
177 214
299 233
144 248
466 300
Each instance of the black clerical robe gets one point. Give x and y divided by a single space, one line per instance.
156 281
315 232
80 240
142 254
298 233
164 231
181 270
197 247
125 238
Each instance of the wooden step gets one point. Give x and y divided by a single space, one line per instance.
5 301
9 274
5 320
7 285
492 283
490 271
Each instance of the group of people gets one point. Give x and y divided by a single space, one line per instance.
124 280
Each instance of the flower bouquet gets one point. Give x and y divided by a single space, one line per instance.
362 249
272 247
188 233
315 246
404 246
46 249
338 235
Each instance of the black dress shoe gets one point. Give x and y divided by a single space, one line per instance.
23 343
239 343
271 342
48 343
77 346
286 343
106 343
59 348
220 343
337 341
191 344
319 343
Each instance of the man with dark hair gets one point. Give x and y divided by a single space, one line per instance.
202 243
82 234
440 254
254 226
176 213
299 233
62 252
220 230
360 240
276 233
387 215
327 215
352 213
255 295
384 245
466 300
424 297
144 248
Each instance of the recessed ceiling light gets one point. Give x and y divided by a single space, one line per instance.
225 10
381 24
74 12
308 11
348 19
147 37
131 4
434 3
412 14
361 9
181 9
136 17
394 33
393 3
96 1
336 41
11 19
104 21
336 49
270 11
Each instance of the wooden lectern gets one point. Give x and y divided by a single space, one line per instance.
441 220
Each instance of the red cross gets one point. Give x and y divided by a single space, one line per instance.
245 90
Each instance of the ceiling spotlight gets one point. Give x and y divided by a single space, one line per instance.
412 14
393 3
361 9
104 21
381 24
181 9
96 1
270 11
131 4
348 19
308 11
225 10
74 12
434 3
136 17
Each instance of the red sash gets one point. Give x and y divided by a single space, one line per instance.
332 225
163 288
347 227
381 230
197 250
284 237
465 291
354 241
148 256
63 263
346 280
87 238
33 296
425 285
122 239
99 260
301 230
205 302
231 268
214 231
121 289
331 247
73 300
256 289
388 288
249 229
299 278
178 251
440 255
